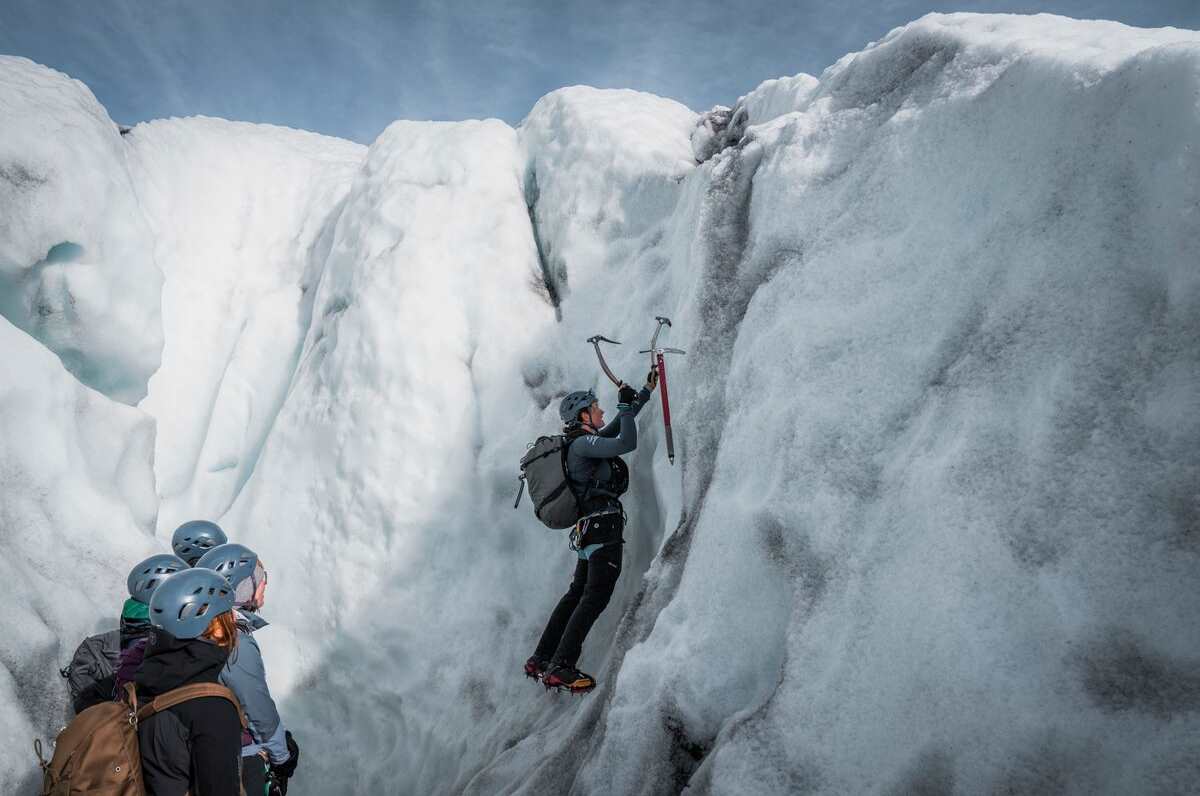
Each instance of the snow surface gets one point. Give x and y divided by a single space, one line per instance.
933 526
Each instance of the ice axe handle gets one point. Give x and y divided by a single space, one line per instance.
666 406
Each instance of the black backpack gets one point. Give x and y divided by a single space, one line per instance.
91 674
544 471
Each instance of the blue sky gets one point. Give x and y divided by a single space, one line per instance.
352 67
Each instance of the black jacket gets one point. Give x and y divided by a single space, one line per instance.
194 747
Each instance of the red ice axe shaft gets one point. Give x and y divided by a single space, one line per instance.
666 405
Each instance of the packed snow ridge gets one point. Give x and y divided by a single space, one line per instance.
936 523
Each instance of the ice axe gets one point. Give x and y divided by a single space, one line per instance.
657 361
595 340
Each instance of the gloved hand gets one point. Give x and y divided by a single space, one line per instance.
652 379
626 394
293 751
282 772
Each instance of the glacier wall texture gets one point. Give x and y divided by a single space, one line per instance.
933 525
77 269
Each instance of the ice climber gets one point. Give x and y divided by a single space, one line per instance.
269 753
195 538
192 747
598 477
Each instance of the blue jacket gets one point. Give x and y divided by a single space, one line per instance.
246 676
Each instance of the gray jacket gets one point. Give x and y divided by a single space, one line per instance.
588 455
246 676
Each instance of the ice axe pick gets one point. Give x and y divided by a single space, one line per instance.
595 340
657 361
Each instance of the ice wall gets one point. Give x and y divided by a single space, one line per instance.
601 174
932 528
946 475
77 509
79 299
76 263
243 215
377 483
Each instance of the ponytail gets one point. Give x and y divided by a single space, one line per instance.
222 631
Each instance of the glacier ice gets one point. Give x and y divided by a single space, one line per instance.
78 508
243 215
77 269
934 523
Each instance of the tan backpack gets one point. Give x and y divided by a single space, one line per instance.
98 751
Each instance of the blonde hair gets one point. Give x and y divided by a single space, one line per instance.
222 631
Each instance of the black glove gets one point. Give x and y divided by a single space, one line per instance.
652 379
282 772
626 394
293 750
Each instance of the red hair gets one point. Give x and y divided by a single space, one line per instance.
222 631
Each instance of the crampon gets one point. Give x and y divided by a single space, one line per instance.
535 668
568 678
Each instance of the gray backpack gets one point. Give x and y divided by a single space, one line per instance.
544 471
91 675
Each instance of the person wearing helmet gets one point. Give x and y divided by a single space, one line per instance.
192 747
135 615
95 673
598 477
269 752
195 538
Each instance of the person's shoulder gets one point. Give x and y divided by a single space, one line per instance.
245 641
588 439
245 659
167 726
206 710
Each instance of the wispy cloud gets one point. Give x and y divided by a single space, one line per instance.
350 69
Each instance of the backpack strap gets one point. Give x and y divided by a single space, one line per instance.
186 693
593 486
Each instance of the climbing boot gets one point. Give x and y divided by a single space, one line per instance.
535 667
564 677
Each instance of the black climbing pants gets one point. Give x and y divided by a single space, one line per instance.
591 588
254 775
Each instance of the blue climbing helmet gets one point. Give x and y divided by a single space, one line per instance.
234 562
145 577
193 539
574 403
186 602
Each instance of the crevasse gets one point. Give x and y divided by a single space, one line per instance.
933 525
